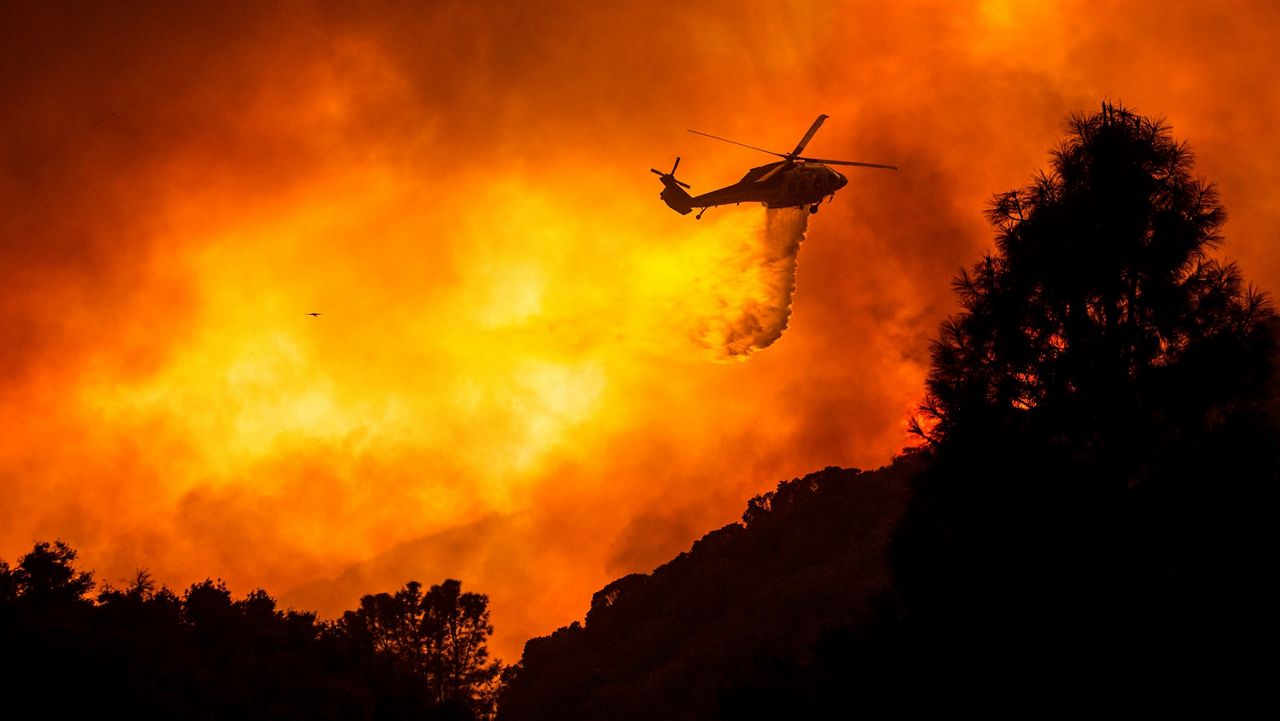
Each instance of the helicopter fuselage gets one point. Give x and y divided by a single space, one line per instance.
803 184
795 181
796 186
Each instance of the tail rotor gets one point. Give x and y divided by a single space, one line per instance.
673 190
671 175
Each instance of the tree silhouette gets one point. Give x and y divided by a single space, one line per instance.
8 585
205 654
442 636
392 624
1099 289
458 630
47 576
1102 424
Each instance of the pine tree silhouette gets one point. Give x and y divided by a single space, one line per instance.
1101 418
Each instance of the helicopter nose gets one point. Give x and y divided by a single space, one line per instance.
841 181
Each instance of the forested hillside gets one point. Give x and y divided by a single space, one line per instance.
745 600
1089 517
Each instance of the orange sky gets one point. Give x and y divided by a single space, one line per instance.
506 384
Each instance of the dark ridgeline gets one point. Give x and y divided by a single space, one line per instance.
1091 515
741 605
144 652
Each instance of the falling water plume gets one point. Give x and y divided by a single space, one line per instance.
755 320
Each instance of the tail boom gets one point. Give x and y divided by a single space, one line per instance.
674 196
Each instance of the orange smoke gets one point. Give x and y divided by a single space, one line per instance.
508 383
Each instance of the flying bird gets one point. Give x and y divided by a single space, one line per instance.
314 315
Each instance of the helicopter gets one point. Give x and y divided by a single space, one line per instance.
795 181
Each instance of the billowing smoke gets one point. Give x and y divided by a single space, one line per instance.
768 269
509 383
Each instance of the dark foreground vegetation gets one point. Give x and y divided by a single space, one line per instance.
1090 519
147 652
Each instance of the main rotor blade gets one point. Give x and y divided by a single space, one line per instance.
717 137
808 136
773 171
848 162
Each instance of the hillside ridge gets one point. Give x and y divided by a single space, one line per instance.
809 557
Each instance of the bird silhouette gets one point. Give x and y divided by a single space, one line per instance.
314 315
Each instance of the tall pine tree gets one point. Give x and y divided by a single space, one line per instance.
1101 415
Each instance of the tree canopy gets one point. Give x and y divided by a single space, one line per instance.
1101 418
441 635
206 654
1099 293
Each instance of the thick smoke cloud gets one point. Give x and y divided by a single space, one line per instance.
510 382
